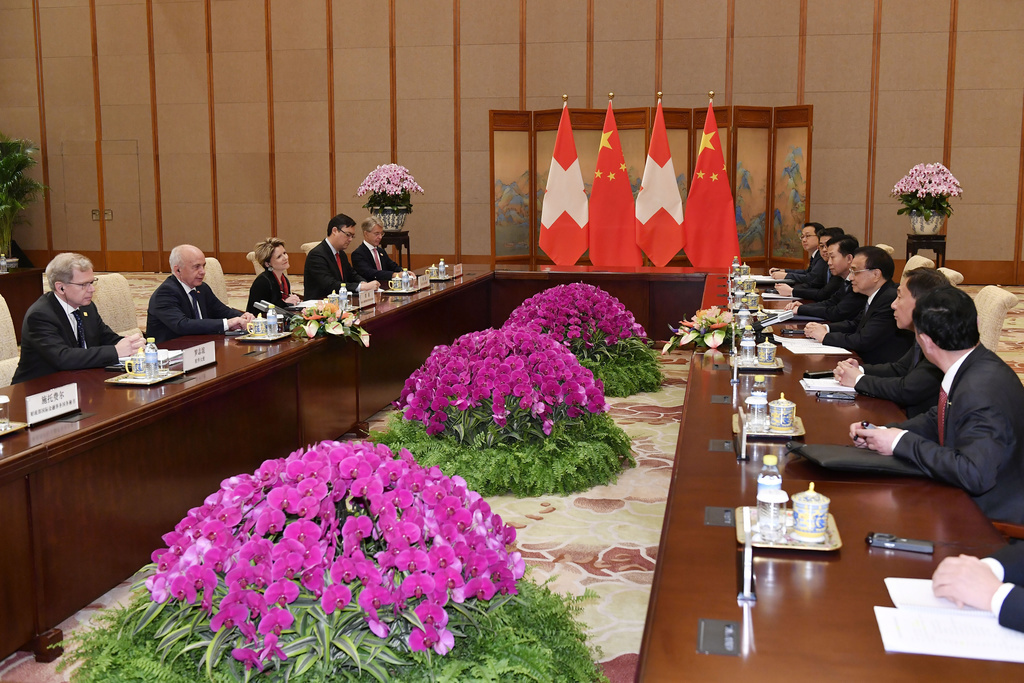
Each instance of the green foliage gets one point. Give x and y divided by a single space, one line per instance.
534 636
17 189
575 457
627 368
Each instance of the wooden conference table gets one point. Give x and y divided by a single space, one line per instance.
84 502
814 616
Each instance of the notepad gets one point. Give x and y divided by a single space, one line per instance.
826 384
926 625
808 346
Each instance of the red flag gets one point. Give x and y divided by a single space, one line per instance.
563 218
612 222
710 226
659 206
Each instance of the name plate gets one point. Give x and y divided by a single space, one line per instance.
52 403
198 356
457 270
367 298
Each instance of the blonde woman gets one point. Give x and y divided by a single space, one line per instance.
272 284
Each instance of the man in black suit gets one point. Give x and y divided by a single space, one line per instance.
995 583
327 266
913 381
841 302
183 304
872 334
817 270
368 259
813 289
62 330
974 437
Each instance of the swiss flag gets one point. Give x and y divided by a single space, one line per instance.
612 221
564 230
710 226
659 206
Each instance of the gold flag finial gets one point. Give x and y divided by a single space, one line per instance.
659 94
611 96
565 98
711 94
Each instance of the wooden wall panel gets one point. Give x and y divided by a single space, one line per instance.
766 53
556 53
694 52
624 41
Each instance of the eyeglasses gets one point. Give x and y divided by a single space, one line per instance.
90 283
857 271
349 235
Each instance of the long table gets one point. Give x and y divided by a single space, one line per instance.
84 502
814 613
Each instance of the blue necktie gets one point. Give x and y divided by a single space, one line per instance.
195 305
80 324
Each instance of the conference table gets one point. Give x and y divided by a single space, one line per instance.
813 616
84 500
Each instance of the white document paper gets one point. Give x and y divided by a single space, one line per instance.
942 633
918 594
763 278
772 296
807 347
828 384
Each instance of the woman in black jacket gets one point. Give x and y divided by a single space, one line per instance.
272 284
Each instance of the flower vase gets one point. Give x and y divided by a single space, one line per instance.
393 218
919 225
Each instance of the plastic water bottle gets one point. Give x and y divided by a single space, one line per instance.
272 319
771 500
769 478
405 278
441 269
748 346
152 359
343 297
3 263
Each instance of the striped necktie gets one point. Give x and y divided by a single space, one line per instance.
80 325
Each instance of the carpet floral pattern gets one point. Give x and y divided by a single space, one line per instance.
604 540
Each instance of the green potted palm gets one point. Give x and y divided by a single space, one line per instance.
17 189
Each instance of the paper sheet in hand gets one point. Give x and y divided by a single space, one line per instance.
827 384
918 594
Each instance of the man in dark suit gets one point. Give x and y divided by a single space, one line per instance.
327 266
974 437
62 330
369 260
841 302
995 583
872 334
913 381
814 289
183 304
817 269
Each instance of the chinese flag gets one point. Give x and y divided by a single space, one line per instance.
710 226
563 218
612 222
659 206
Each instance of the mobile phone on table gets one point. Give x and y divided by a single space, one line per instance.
893 542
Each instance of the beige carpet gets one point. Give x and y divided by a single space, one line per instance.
605 539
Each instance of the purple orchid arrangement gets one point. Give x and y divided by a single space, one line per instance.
511 382
585 318
389 185
926 188
334 556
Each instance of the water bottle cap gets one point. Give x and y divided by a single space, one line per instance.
150 340
770 460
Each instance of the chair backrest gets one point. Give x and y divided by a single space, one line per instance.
215 278
992 303
308 246
955 277
114 303
8 338
916 261
7 368
889 250
251 257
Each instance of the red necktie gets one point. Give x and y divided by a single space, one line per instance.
376 257
284 287
341 271
943 400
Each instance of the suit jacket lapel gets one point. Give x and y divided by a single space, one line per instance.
65 325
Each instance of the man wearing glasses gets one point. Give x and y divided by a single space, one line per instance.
63 331
327 267
872 333
369 260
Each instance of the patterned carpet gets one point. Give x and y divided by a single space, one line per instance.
605 539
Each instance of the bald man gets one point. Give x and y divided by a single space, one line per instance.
184 305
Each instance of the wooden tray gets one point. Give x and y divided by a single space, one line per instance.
12 427
262 338
766 433
398 292
127 380
442 279
789 541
